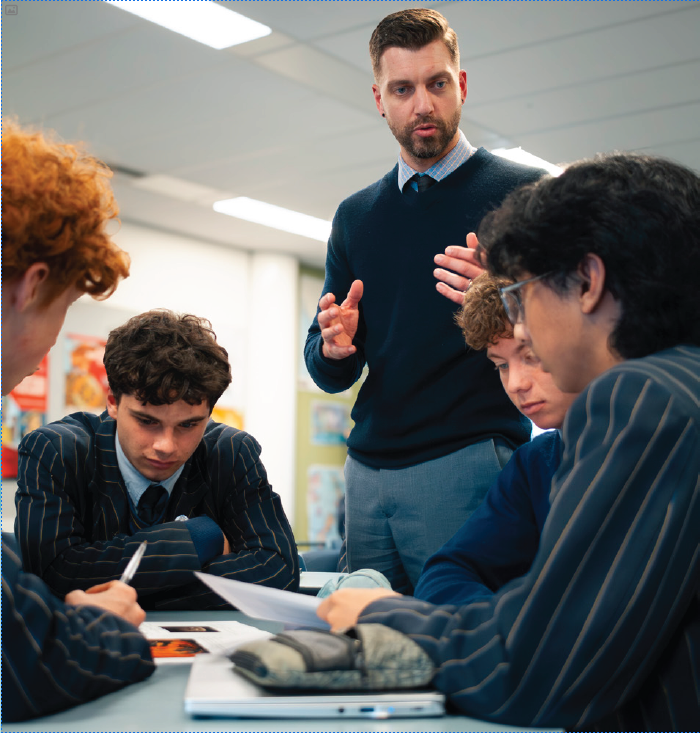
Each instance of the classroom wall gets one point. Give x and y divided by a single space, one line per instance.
251 301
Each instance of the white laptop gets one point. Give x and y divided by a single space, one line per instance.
214 689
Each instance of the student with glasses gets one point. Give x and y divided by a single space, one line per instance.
603 631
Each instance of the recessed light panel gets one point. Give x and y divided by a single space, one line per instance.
203 21
276 217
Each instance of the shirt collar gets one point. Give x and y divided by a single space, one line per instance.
136 482
461 152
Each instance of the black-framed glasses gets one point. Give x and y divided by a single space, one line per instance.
512 302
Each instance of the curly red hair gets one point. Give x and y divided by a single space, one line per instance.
483 318
56 202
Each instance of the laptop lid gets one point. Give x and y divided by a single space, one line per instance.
215 689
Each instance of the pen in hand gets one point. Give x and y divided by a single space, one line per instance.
133 565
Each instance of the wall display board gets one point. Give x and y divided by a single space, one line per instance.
24 409
325 488
227 416
330 422
86 377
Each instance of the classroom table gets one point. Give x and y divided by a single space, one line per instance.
156 704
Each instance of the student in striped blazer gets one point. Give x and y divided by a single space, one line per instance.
153 467
603 632
56 203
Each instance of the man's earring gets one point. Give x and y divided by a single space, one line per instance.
383 115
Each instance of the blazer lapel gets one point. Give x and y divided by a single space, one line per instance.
192 488
107 487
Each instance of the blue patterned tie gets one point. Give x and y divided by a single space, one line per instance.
424 182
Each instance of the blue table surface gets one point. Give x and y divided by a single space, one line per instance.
156 705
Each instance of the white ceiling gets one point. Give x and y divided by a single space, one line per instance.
290 118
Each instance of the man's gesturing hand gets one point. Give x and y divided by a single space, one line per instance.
338 323
116 597
464 268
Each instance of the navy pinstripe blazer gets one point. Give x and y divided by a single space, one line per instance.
55 656
603 633
73 515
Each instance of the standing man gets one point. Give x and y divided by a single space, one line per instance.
56 205
153 467
433 426
603 631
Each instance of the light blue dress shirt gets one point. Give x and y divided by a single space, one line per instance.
136 482
461 152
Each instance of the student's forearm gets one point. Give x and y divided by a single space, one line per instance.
169 561
54 655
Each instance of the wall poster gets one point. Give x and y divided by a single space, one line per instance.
24 410
86 378
325 488
330 422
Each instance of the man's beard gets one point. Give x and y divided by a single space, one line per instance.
431 147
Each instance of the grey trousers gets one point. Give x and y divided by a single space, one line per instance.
395 519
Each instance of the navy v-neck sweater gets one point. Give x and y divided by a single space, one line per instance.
426 394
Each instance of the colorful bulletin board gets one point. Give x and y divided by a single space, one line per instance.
24 410
86 378
326 487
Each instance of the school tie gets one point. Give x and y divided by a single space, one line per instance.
152 503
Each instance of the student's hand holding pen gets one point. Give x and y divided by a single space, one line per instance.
115 596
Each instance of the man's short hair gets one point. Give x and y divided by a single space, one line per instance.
640 214
161 357
413 28
56 202
482 317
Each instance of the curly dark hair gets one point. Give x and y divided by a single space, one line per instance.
640 214
161 357
482 317
56 202
412 28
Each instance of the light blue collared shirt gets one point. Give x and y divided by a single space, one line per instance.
461 152
136 482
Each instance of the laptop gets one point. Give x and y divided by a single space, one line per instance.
214 689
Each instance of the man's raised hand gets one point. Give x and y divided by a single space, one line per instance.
338 323
458 267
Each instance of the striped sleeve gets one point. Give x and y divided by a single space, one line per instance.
55 656
55 519
251 516
612 588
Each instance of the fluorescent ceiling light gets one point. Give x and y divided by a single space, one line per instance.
276 217
203 21
518 155
177 188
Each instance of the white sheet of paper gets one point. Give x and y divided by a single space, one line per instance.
271 604
227 635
